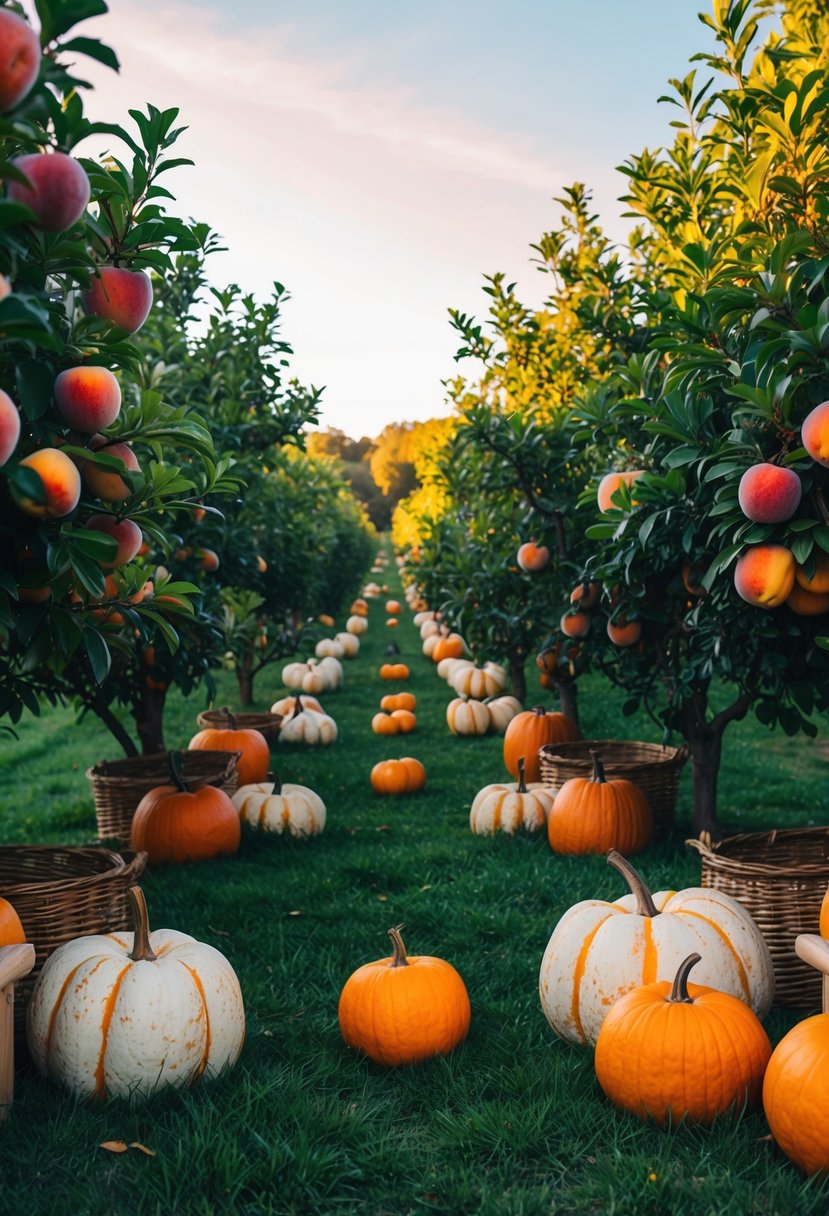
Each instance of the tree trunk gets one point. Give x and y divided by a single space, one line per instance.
706 754
568 699
149 720
517 679
244 681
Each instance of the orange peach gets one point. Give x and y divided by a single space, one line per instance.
261 564
769 493
9 422
105 483
575 624
610 483
19 59
764 575
807 603
208 560
88 398
198 514
58 189
124 532
585 595
61 485
532 557
815 433
818 584
121 296
623 632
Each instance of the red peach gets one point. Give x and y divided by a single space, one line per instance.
198 514
769 493
125 533
586 595
575 624
806 603
610 483
88 398
764 575
19 59
121 296
818 584
9 423
208 560
623 632
61 484
261 564
59 189
815 433
532 557
106 484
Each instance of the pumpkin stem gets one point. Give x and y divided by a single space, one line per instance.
297 706
176 772
141 949
225 710
277 784
538 710
399 958
522 789
679 992
598 768
644 900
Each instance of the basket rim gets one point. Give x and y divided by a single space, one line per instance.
711 855
122 866
97 772
211 716
655 753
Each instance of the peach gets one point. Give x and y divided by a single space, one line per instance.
88 398
261 564
623 632
818 584
58 191
532 557
119 295
575 624
208 560
769 493
61 484
764 575
126 534
105 483
19 59
610 483
806 603
198 514
9 423
586 595
815 433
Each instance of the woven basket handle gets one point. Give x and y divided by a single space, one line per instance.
813 950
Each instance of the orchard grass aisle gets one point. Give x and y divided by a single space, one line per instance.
510 1123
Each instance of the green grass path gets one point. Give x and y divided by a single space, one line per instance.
512 1123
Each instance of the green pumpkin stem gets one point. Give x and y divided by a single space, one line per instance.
598 768
522 789
141 949
174 760
679 992
399 958
644 900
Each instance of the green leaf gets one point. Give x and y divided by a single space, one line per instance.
58 16
97 651
34 380
95 49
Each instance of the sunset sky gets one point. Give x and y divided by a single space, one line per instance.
380 158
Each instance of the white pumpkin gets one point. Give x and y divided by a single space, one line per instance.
428 628
356 624
272 807
308 726
502 710
293 674
332 670
420 617
447 667
601 950
122 1013
467 717
350 644
508 808
287 705
478 682
329 647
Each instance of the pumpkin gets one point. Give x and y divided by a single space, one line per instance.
402 776
465 717
404 1009
122 1013
326 620
332 670
530 730
308 726
12 932
795 1095
287 705
447 668
405 719
502 710
398 700
350 644
451 647
308 677
360 607
255 760
394 671
175 823
356 624
329 647
429 628
593 815
385 724
478 682
393 608
392 622
671 1052
424 615
273 807
601 950
507 808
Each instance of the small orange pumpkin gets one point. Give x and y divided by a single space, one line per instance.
402 776
404 1009
393 608
451 647
398 700
405 719
530 730
392 622
678 1052
385 724
12 932
594 815
173 823
359 608
394 671
255 760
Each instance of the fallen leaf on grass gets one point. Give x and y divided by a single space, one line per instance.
114 1146
142 1148
296 912
383 898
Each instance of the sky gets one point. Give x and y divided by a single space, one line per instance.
380 158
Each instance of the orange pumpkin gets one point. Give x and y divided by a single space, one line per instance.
402 776
394 671
678 1052
398 700
385 724
359 608
530 730
255 760
405 720
173 823
12 932
447 648
325 619
393 608
404 1009
594 815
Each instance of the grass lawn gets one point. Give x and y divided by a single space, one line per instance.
512 1123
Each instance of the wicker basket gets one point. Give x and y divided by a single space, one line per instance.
266 723
781 878
653 768
119 785
60 893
